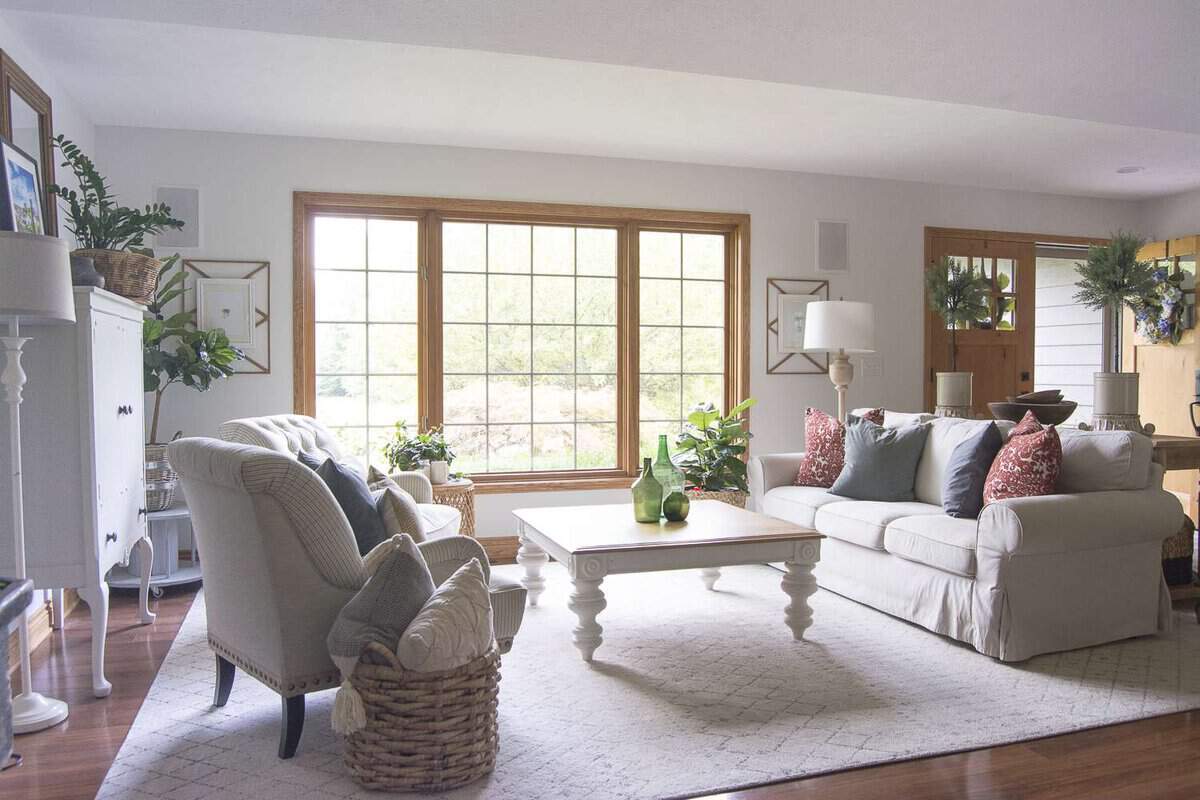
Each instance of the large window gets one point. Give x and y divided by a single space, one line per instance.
554 343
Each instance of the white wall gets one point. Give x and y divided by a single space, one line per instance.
1171 217
247 181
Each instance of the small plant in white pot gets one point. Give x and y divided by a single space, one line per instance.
959 295
1113 277
425 452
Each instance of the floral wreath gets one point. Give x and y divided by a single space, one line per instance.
1160 315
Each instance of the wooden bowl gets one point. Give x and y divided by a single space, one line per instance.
1046 413
1044 397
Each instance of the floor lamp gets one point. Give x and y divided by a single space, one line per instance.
35 285
840 327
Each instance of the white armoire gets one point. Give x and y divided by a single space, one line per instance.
83 464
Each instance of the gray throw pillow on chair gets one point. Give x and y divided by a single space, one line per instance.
881 463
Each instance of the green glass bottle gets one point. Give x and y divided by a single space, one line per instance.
665 471
647 495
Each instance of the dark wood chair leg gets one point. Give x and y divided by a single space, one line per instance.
224 682
293 725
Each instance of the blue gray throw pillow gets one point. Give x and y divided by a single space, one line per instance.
967 471
881 463
311 460
352 494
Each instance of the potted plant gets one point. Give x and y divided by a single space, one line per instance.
959 295
426 452
710 453
112 235
174 351
1113 277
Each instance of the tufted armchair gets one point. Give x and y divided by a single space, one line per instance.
290 433
280 561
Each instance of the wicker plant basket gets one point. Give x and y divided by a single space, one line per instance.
131 275
1177 555
161 479
426 731
733 497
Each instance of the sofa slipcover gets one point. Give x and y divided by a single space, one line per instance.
862 522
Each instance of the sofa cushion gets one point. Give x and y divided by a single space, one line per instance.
945 434
881 463
824 450
1028 465
797 504
439 520
1104 461
938 541
862 522
967 471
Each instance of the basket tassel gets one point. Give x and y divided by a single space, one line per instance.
349 714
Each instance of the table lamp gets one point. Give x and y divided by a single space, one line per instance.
840 327
35 285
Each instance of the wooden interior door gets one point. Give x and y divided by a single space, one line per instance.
998 350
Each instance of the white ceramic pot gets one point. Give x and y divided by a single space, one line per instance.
954 394
1115 403
439 472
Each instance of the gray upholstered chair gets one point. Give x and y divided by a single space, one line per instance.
289 433
279 562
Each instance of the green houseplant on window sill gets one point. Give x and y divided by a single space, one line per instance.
426 452
174 351
959 295
710 453
113 236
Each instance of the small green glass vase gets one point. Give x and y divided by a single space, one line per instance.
647 495
676 507
665 471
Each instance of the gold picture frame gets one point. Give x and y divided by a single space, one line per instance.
258 274
779 360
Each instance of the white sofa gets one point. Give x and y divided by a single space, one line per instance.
1032 575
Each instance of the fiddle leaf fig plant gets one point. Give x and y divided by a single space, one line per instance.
93 215
174 350
711 447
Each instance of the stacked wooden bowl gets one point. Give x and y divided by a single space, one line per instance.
1047 405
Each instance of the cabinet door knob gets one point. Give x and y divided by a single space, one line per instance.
110 537
141 512
122 410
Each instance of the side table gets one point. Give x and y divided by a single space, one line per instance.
460 494
167 570
1180 452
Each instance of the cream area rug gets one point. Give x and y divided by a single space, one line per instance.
692 691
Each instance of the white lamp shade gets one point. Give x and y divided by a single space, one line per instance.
833 325
35 278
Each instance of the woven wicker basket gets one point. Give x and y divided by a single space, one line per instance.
161 479
731 496
426 731
131 275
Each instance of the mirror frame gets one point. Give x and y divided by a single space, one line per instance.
14 80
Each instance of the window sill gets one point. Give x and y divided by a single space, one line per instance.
484 485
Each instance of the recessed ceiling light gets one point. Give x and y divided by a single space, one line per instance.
1129 170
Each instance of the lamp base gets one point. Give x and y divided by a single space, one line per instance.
33 712
841 372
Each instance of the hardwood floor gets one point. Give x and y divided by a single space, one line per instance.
68 761
1155 758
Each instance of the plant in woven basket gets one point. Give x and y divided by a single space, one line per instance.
959 295
93 215
405 453
1112 277
174 350
711 447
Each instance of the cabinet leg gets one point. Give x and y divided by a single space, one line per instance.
146 561
57 615
97 599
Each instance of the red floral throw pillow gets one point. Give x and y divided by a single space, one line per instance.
874 415
824 450
1028 465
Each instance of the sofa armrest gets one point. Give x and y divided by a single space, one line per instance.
445 555
771 470
416 484
1061 523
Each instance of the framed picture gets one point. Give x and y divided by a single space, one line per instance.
21 203
787 312
236 297
227 303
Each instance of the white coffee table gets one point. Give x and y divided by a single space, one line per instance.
595 541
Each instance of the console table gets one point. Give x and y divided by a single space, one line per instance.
1180 452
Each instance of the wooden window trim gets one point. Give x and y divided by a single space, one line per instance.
430 211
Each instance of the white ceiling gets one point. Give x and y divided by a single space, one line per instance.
1049 96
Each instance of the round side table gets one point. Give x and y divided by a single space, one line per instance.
460 494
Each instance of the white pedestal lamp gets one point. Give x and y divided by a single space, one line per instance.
840 327
35 284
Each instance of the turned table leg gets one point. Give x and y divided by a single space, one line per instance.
532 558
587 601
798 584
710 575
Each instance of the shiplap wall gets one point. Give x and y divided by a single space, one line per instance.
1068 338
